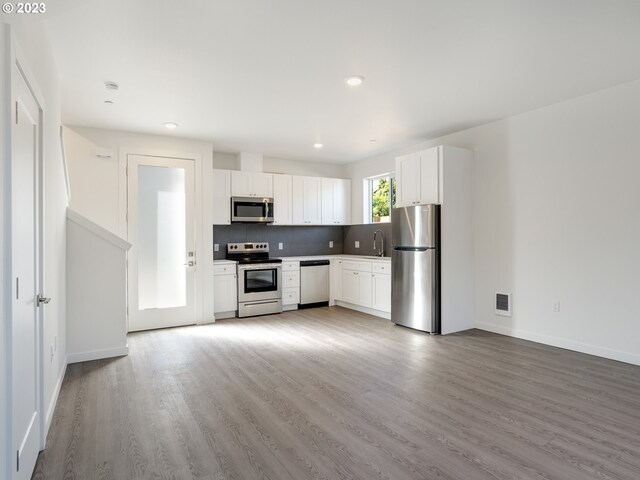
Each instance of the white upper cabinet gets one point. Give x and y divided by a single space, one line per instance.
418 178
262 184
282 200
251 184
430 176
407 180
221 197
306 200
298 200
336 201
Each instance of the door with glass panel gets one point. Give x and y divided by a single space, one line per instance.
161 229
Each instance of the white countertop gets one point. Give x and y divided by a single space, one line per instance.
342 256
315 257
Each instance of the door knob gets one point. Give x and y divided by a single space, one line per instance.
42 300
190 263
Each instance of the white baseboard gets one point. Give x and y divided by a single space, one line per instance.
604 352
97 354
207 322
54 399
370 311
223 315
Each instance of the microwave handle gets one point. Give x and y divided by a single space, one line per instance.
267 211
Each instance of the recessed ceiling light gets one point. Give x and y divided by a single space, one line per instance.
170 125
109 102
318 145
373 140
355 80
111 85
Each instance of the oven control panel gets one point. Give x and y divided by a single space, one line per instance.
248 247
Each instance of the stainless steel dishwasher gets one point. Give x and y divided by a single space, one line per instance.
314 283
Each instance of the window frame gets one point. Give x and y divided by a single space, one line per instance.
368 195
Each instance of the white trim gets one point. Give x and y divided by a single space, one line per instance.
19 68
123 154
5 295
202 216
54 401
65 166
370 311
589 349
367 196
96 229
97 354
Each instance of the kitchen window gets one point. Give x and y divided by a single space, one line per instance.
380 198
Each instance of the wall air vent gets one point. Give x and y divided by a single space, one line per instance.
503 304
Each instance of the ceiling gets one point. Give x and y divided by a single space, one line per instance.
268 76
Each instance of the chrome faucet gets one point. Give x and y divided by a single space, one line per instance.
375 237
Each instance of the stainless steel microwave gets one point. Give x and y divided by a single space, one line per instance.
251 210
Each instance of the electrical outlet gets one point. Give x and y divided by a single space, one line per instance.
357 244
216 247
330 244
556 307
280 246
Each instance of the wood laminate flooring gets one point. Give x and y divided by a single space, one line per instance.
331 393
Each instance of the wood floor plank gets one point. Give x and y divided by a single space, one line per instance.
330 393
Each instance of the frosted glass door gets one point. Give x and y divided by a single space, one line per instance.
161 237
161 230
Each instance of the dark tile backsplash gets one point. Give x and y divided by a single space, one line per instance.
364 234
299 240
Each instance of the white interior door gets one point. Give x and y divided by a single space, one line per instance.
161 230
25 267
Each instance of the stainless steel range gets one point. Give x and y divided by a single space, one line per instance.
259 279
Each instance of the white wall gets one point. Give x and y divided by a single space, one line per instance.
36 50
4 134
556 203
228 161
97 189
97 291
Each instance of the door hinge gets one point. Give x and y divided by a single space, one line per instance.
16 112
17 288
17 460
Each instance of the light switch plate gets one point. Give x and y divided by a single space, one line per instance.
357 244
280 246
216 247
330 244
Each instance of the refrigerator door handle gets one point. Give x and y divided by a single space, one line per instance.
413 249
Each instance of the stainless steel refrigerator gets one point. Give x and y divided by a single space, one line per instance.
415 265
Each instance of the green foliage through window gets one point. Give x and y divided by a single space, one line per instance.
383 198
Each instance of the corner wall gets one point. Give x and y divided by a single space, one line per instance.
556 203
97 189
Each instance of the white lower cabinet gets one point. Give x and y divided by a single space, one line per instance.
365 283
335 281
225 290
290 284
381 291
356 288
